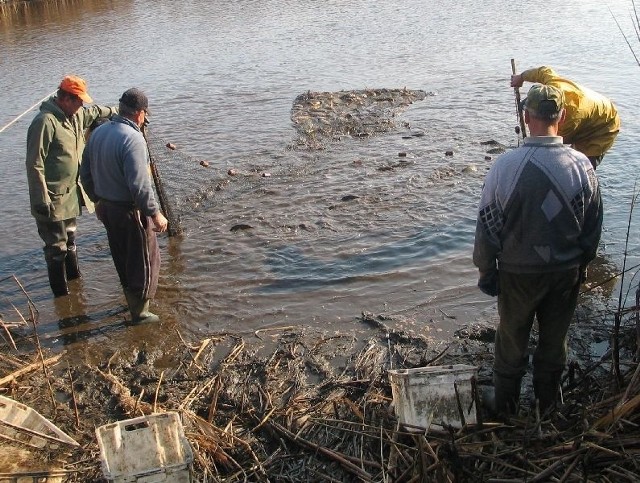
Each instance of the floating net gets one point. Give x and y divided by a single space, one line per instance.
184 183
322 117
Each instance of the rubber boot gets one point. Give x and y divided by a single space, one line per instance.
57 277
139 309
507 394
71 263
546 388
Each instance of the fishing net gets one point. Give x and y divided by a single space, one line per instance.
184 183
322 117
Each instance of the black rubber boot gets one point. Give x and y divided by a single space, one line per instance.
507 394
57 277
71 263
546 388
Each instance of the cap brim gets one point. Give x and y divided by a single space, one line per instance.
85 98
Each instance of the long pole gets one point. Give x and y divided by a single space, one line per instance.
25 112
174 227
523 127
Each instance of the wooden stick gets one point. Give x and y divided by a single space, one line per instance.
174 227
203 346
333 455
155 398
27 369
73 397
523 126
25 112
8 333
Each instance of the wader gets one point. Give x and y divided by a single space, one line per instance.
60 253
550 298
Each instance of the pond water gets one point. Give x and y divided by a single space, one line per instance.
222 78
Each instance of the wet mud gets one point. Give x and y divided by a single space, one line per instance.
292 404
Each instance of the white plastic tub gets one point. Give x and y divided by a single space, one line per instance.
429 395
148 449
22 424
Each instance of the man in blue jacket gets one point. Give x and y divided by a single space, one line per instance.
115 173
538 226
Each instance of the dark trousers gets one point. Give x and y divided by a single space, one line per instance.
549 297
58 237
134 247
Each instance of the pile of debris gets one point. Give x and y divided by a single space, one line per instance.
301 405
322 117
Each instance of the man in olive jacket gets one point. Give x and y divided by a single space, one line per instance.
55 141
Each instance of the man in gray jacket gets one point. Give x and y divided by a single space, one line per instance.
539 225
55 141
115 173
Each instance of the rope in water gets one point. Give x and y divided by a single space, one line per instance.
32 107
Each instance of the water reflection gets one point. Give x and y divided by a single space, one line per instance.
603 276
222 77
33 14
293 271
71 311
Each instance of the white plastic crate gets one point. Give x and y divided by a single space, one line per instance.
22 424
429 395
148 449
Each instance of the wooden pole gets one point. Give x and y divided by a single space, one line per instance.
25 112
173 227
523 126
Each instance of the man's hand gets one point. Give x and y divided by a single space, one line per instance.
516 80
44 209
159 222
488 282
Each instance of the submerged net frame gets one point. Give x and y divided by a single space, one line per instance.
174 226
185 184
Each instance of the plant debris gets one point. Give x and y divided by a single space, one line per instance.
295 404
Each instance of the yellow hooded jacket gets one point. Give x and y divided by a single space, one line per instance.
592 122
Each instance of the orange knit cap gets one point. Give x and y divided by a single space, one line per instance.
76 85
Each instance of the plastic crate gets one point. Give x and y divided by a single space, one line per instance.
148 449
22 424
438 395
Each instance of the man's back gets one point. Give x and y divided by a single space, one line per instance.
117 158
540 210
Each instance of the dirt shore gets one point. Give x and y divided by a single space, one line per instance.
304 405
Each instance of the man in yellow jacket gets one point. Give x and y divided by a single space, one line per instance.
592 122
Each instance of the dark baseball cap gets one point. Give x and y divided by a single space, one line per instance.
135 99
544 101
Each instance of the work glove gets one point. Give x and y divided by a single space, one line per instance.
44 209
488 282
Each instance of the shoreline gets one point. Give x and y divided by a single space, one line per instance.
303 404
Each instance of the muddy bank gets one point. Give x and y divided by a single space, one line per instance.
290 404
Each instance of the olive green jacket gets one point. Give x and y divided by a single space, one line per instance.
54 151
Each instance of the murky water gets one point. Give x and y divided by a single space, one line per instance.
222 77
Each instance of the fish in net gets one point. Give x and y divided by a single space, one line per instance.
320 117
185 184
